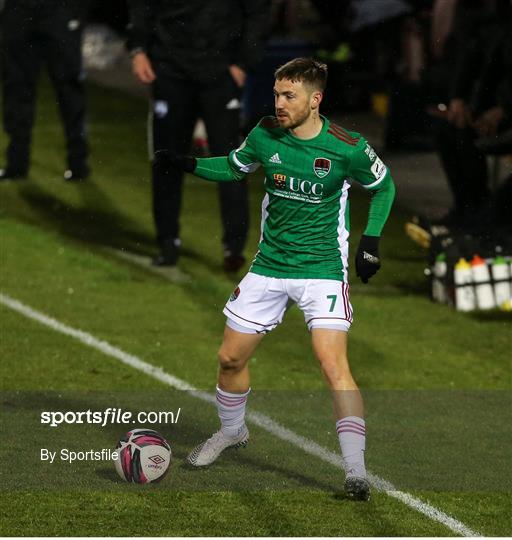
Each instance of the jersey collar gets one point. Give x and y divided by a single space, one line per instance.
324 129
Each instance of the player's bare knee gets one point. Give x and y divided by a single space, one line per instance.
229 363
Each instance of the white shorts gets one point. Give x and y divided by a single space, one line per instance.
259 303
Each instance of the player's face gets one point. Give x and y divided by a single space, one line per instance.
292 102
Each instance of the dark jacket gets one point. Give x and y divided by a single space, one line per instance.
479 38
198 39
495 82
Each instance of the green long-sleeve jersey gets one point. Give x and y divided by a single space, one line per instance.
305 211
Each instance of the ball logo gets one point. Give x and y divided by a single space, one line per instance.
280 181
144 456
156 459
234 294
322 166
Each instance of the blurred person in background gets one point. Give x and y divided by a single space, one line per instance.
196 56
493 95
477 70
492 122
408 127
36 32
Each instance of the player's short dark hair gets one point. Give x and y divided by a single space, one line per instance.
305 70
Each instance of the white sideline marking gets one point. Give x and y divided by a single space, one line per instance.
258 419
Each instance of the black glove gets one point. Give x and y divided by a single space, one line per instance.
164 162
367 257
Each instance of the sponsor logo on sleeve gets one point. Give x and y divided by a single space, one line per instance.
370 152
379 169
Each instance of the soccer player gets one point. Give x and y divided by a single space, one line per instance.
309 164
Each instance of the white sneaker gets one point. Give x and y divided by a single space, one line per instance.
208 451
357 489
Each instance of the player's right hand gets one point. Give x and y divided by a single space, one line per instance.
165 161
142 68
458 113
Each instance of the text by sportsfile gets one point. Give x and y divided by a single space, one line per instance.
69 456
111 415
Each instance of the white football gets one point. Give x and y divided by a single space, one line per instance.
143 456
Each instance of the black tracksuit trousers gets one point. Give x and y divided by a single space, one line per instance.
177 104
33 35
464 165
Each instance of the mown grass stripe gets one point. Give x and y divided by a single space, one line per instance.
256 418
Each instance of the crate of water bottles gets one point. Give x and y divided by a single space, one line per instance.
471 284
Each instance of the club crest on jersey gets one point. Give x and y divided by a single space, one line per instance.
322 166
280 181
234 294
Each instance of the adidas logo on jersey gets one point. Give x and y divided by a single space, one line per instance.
275 159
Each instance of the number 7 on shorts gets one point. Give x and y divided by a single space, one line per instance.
332 298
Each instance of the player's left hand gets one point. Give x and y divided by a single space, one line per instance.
165 161
367 257
487 124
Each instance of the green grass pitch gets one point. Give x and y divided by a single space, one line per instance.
437 382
